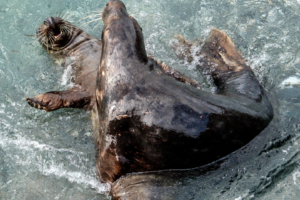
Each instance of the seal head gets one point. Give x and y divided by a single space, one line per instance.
118 25
55 33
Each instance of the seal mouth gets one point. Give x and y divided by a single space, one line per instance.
55 33
58 36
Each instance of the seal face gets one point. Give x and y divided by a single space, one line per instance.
55 33
151 121
76 50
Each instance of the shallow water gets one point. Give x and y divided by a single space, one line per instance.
52 156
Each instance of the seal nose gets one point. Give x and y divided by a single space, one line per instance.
114 6
52 24
49 21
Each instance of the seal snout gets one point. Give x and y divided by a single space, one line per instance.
53 25
50 21
55 32
114 8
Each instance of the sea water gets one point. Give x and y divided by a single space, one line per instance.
52 155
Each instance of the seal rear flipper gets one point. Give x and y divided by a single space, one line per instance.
54 100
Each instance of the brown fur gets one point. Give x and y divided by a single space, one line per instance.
73 48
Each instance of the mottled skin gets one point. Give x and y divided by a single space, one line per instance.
151 121
70 46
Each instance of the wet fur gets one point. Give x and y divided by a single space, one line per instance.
79 50
83 52
150 121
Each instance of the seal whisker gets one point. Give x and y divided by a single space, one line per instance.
65 15
90 16
43 38
40 38
59 15
67 26
48 41
67 29
51 40
64 30
98 19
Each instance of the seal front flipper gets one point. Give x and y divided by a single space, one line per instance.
186 50
54 100
219 58
167 70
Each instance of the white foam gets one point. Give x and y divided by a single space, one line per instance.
257 61
4 51
296 177
243 196
33 159
77 177
26 144
290 82
66 79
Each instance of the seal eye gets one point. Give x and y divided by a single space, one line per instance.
107 4
38 31
45 22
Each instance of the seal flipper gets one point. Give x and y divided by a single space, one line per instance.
224 62
186 50
219 58
162 67
54 100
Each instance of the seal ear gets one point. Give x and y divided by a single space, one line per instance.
139 42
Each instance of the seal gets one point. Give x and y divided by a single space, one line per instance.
76 51
80 53
151 121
